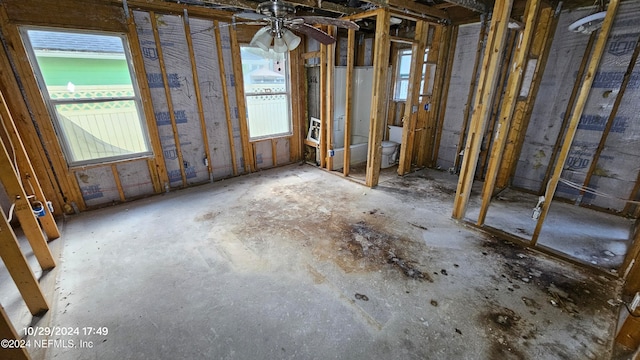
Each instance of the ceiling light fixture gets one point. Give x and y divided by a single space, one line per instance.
283 39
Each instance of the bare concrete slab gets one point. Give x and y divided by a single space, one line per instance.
296 263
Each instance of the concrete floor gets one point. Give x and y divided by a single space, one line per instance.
296 263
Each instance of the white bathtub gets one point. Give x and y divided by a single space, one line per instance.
358 154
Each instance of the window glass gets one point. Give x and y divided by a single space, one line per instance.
89 89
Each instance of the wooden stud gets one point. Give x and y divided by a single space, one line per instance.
348 111
472 88
178 8
610 119
567 114
225 96
634 193
413 94
274 152
540 50
594 62
298 104
324 90
116 179
378 97
497 101
157 166
28 222
196 86
482 102
311 55
508 106
7 331
331 67
444 94
167 93
38 110
630 268
25 168
249 161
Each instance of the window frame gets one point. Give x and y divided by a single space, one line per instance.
287 93
51 103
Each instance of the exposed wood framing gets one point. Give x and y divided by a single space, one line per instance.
299 104
36 109
157 166
472 88
509 103
630 268
167 93
415 7
7 331
487 140
19 269
378 97
444 94
413 95
434 126
567 114
176 8
25 171
348 111
322 146
611 118
540 48
196 86
16 194
482 103
594 62
116 179
628 209
311 55
329 96
274 151
249 162
225 96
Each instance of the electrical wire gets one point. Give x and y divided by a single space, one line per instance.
595 192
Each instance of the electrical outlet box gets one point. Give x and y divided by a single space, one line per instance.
331 153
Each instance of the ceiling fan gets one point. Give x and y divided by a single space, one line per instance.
279 17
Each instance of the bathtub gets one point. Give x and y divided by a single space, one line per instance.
358 152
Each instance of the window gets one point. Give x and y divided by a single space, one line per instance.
89 87
403 68
266 92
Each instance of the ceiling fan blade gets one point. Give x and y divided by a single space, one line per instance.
250 16
313 32
322 20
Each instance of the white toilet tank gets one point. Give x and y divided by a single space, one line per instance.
395 134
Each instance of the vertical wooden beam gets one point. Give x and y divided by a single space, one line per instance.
634 193
509 103
324 89
274 152
19 269
594 62
497 102
167 93
413 94
196 86
482 103
299 103
116 178
630 268
472 88
379 97
225 96
7 331
540 48
611 118
441 105
26 169
249 160
348 111
567 113
331 67
157 169
23 211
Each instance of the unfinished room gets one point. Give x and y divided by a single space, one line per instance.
308 179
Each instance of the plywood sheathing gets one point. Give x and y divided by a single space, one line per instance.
594 62
481 109
509 103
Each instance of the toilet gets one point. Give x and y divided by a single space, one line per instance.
391 148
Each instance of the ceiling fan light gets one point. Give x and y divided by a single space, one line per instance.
292 40
262 38
279 45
